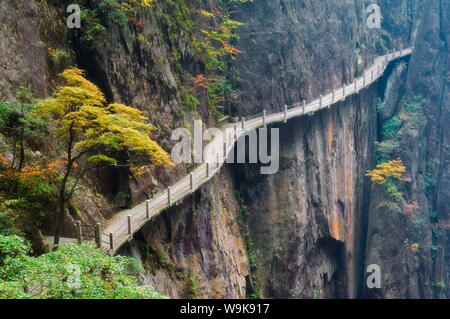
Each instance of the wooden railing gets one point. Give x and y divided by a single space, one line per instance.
122 226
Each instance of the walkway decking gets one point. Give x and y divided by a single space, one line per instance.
123 225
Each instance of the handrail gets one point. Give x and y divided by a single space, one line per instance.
118 229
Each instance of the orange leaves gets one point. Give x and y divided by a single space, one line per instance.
200 81
29 173
230 50
55 165
3 160
411 207
393 169
136 21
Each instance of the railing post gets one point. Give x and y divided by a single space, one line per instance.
217 160
304 106
98 235
401 49
243 123
79 232
285 113
130 229
320 101
235 132
333 95
169 199
207 169
356 80
111 242
264 118
224 151
147 208
191 178
371 75
364 80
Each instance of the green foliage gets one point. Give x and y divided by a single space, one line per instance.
18 125
60 58
430 183
391 127
392 191
439 285
191 290
23 190
92 25
97 15
162 259
7 225
243 221
386 148
190 102
415 104
73 272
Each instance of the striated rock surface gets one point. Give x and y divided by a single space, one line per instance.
310 230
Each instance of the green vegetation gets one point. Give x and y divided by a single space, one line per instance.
94 19
405 125
86 133
439 285
243 221
213 38
162 259
73 272
408 122
391 127
23 191
91 133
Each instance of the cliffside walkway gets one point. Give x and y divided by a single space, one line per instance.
121 227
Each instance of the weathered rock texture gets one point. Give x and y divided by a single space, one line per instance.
412 249
310 230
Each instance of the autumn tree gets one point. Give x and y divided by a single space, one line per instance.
91 132
391 169
18 127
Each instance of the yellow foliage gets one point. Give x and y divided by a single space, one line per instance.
415 247
205 13
82 114
394 169
143 3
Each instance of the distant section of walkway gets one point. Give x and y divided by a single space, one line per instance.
121 227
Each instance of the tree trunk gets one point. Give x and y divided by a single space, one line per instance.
60 223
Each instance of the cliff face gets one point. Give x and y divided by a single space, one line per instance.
304 228
311 229
412 246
